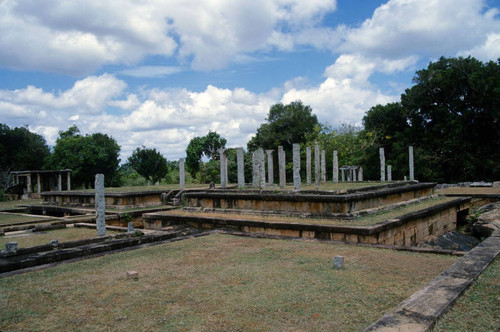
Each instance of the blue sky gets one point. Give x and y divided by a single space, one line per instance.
158 73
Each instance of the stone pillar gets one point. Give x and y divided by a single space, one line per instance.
411 165
316 166
240 159
335 166
270 167
296 166
59 182
389 172
254 169
28 182
360 174
343 176
323 166
68 181
100 205
354 174
223 168
182 173
38 184
282 166
382 164
308 165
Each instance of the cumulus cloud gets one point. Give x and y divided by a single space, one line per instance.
433 28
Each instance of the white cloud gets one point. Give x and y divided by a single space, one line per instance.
150 71
490 50
432 28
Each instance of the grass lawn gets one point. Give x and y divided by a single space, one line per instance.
15 219
218 283
66 234
469 191
7 205
479 308
368 220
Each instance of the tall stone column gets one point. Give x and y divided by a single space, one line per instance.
182 173
261 168
100 205
296 166
254 169
360 174
38 184
308 165
59 182
270 167
240 160
323 166
354 175
389 172
282 166
28 183
223 168
68 181
382 164
316 165
411 165
335 166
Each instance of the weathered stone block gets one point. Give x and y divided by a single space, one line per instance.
134 275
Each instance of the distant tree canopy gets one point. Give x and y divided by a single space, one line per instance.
21 149
149 163
206 146
286 125
86 156
452 117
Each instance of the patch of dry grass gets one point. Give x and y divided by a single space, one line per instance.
479 308
15 219
219 282
31 239
469 191
367 220
7 205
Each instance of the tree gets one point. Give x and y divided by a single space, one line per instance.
149 163
20 149
286 125
207 146
452 117
86 156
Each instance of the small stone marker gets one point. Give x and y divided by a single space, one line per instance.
338 262
11 246
296 166
134 275
100 205
130 227
54 242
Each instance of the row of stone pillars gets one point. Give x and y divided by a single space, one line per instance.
348 173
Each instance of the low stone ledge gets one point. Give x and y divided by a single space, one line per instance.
421 310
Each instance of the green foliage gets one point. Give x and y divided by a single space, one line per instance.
286 125
206 146
86 156
149 163
452 118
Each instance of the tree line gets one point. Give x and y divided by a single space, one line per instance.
451 115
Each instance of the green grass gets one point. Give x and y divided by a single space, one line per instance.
367 220
6 219
479 308
469 191
66 234
218 283
8 205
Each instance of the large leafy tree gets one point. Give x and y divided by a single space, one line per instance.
149 163
20 149
286 125
206 146
452 117
86 156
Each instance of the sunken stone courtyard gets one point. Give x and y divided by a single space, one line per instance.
339 255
